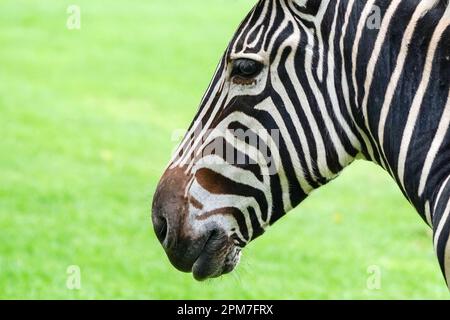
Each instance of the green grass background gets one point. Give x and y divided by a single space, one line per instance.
86 118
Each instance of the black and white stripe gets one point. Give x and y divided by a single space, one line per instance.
335 90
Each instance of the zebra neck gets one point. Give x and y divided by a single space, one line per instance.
399 75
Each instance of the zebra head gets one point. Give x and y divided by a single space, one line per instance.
264 137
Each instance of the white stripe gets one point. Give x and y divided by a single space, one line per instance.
258 24
318 21
343 156
344 81
361 26
438 197
372 64
435 146
441 224
256 126
345 88
245 25
212 202
321 164
331 86
269 107
447 262
239 175
428 213
271 22
359 31
418 99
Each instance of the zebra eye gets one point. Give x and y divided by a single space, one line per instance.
245 70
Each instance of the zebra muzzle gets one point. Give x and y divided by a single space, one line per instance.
206 252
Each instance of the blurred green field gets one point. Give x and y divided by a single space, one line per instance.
86 118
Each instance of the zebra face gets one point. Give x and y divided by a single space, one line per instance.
246 159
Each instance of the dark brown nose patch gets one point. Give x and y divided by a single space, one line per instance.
170 206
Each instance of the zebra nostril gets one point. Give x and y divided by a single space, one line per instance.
161 229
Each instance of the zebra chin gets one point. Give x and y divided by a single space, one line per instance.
210 258
201 247
217 258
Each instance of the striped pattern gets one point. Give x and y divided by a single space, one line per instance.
335 90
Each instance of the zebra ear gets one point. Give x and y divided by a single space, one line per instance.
310 7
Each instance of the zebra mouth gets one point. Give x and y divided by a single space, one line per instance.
218 257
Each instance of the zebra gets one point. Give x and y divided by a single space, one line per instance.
335 89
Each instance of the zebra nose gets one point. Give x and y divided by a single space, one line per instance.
169 206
